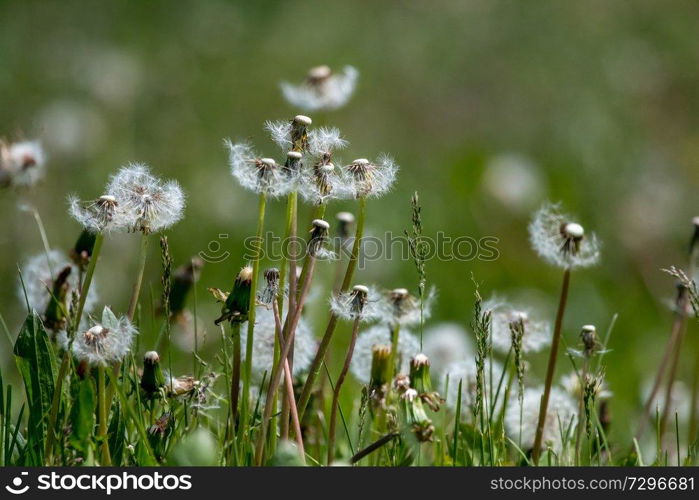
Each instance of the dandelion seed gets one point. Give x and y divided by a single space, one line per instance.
323 89
290 135
366 179
263 347
361 302
105 343
560 241
38 280
537 334
324 141
446 343
22 164
560 417
380 335
146 203
98 215
259 175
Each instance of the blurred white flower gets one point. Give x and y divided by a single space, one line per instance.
323 89
446 343
22 164
559 425
465 371
263 347
537 334
408 347
514 181
402 308
561 241
145 202
571 383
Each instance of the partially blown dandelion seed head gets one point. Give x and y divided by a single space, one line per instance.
402 308
147 204
537 334
104 343
364 178
325 141
259 175
380 335
561 241
361 302
263 347
323 89
98 215
560 418
22 164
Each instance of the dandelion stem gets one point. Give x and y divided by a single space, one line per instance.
65 363
536 452
235 374
336 392
332 322
102 413
247 374
136 292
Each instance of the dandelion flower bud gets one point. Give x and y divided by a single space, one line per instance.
421 381
183 280
237 304
323 89
146 203
560 241
22 164
152 378
293 164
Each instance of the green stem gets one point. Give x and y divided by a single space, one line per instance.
136 291
235 374
102 413
247 373
536 452
65 363
332 322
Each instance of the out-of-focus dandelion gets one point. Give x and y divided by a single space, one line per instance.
537 334
360 302
22 164
147 204
408 347
513 180
322 89
466 371
446 343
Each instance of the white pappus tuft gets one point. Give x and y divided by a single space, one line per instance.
363 178
146 203
561 241
402 308
537 334
22 164
259 175
38 280
465 371
323 89
363 302
263 348
559 425
100 215
445 343
104 343
408 347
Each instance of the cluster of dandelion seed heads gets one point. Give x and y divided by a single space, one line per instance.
104 343
537 334
38 280
408 347
263 347
22 164
561 418
323 89
560 241
361 302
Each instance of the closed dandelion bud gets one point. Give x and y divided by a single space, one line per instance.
415 417
152 378
380 372
422 383
183 279
237 305
55 317
82 251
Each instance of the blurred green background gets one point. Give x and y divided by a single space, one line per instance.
490 107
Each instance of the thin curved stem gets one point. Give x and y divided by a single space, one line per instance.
102 414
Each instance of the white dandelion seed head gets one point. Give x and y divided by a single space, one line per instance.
680 400
445 343
105 343
322 90
321 183
571 383
146 203
363 178
38 280
282 132
537 334
402 308
408 347
259 175
96 216
325 141
465 371
560 419
263 346
560 241
363 302
24 163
